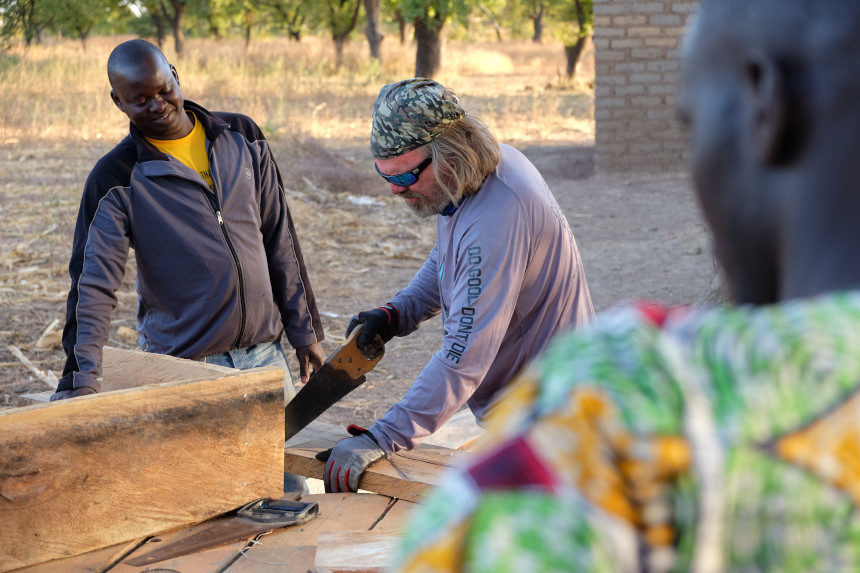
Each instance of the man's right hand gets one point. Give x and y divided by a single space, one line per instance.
74 393
383 321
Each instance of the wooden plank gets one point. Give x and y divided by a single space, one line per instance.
134 368
93 471
396 517
407 475
293 549
92 562
365 551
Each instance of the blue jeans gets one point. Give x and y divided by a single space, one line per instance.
264 354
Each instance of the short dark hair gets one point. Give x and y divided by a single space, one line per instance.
129 54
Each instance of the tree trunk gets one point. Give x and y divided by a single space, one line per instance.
401 25
249 24
176 24
158 21
31 30
294 25
371 28
339 43
573 54
178 37
83 35
537 22
491 18
428 56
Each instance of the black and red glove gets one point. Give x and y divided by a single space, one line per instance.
383 321
348 459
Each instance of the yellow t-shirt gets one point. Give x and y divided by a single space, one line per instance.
190 150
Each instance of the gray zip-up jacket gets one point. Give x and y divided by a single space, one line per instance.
506 275
216 270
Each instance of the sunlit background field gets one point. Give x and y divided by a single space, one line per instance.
60 91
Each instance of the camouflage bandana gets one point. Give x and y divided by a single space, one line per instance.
409 114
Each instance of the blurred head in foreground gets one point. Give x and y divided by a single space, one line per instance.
771 94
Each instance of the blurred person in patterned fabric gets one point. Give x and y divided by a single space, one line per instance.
668 439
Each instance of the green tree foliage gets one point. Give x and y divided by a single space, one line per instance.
394 9
290 15
78 18
27 17
340 18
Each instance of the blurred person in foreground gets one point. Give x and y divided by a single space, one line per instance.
706 440
505 272
198 196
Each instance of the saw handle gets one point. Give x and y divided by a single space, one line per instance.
353 361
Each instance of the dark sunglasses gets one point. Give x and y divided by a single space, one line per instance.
406 178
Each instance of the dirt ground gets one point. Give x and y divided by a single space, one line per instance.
639 236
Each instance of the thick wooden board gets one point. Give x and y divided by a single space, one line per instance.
294 549
89 472
366 551
407 475
134 368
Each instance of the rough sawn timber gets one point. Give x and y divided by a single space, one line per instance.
407 475
134 368
85 473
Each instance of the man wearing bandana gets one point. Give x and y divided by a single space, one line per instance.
505 272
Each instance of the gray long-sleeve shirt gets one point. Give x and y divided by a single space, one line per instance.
506 274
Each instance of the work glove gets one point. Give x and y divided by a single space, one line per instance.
72 393
383 321
348 459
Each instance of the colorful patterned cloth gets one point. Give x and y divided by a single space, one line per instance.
666 440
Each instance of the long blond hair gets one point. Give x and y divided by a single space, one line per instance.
463 156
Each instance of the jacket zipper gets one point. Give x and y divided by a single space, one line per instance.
213 202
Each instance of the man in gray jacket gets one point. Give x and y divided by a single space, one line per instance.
505 271
197 194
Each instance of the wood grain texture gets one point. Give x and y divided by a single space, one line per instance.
293 549
396 517
134 368
407 475
353 551
89 472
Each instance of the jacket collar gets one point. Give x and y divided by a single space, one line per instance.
212 125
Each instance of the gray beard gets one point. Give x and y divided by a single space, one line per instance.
428 205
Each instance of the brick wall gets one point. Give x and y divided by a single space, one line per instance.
637 59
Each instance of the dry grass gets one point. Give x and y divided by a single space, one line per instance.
61 92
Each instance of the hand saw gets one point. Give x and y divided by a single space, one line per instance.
342 373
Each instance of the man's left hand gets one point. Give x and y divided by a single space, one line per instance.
348 459
309 356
